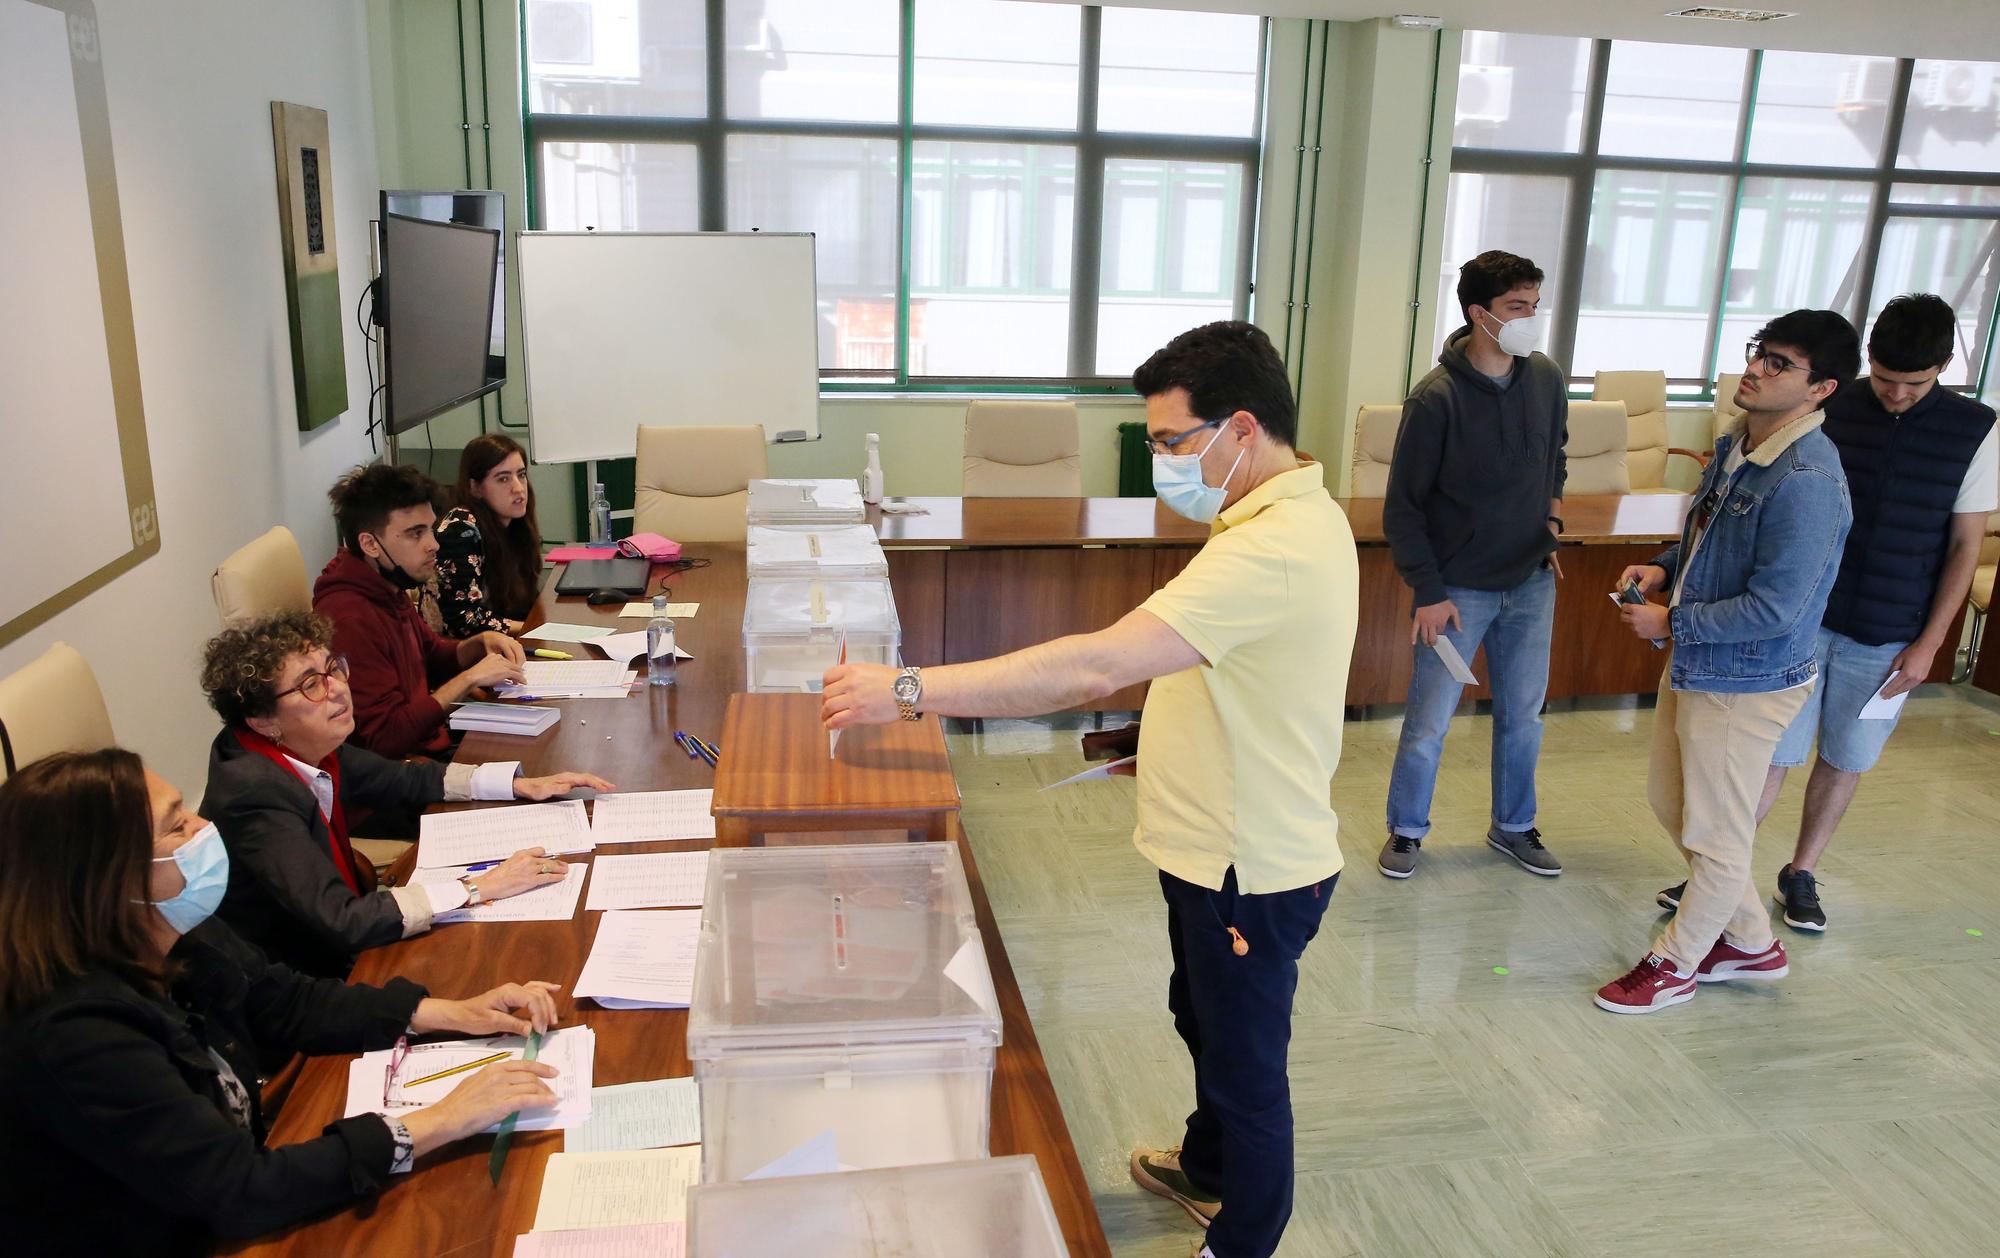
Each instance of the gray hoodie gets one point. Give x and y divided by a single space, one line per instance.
1476 464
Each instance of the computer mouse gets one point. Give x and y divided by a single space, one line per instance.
605 598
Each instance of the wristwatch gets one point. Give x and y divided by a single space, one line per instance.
1557 521
473 897
908 689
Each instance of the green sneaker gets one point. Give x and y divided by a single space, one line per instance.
1158 1171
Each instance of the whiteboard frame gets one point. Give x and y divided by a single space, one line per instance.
528 354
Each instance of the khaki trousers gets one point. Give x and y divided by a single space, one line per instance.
1711 754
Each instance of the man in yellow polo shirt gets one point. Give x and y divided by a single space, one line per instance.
1247 650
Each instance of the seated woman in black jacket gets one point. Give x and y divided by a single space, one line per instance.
286 792
489 564
128 1095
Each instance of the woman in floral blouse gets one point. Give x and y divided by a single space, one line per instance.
489 565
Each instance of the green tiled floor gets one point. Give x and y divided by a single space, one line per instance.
1444 1109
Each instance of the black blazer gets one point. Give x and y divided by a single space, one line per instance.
114 1135
285 893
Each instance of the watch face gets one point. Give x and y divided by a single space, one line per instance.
906 689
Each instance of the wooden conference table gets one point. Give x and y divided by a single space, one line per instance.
976 577
448 1205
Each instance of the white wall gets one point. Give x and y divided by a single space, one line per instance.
189 89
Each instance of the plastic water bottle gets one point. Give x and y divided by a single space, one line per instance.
660 657
600 516
871 476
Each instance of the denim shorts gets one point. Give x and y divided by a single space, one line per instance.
1849 675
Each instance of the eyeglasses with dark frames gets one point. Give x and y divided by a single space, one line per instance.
1773 365
1165 445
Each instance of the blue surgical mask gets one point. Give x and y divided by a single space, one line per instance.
1177 480
204 865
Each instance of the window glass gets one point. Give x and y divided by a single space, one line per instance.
1953 258
619 187
1169 254
637 58
990 258
1673 100
809 59
1649 272
1821 109
990 63
1166 71
1522 214
1798 245
1953 122
1521 92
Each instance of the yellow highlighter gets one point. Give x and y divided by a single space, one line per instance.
543 654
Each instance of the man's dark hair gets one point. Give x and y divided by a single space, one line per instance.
1490 276
1225 367
1914 332
1827 339
365 498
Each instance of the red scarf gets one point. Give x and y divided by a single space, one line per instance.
359 875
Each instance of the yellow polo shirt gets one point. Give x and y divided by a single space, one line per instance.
1236 755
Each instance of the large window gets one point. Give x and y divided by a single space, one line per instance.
1678 197
998 190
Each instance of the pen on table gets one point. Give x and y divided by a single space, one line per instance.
460 1069
702 747
541 653
714 751
686 746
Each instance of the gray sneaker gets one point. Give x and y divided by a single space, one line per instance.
1399 856
1159 1171
1525 846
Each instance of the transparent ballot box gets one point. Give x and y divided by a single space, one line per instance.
793 629
834 501
843 1013
994 1208
824 550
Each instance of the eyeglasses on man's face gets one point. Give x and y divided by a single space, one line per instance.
1769 364
313 686
1169 445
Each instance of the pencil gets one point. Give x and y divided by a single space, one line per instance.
458 1070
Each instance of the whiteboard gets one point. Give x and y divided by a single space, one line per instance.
629 328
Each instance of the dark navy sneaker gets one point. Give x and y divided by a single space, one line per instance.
1670 899
1798 896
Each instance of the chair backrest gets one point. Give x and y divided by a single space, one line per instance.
52 704
1989 546
1726 410
693 484
266 576
1644 394
1022 450
1374 446
1598 458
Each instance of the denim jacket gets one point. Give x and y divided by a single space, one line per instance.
1751 601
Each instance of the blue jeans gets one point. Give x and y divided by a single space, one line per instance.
1235 1015
1850 673
1515 626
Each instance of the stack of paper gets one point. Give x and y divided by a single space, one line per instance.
655 880
626 647
642 960
451 840
557 631
429 1071
555 902
642 1240
569 679
644 816
835 501
504 718
582 1190
850 550
657 1114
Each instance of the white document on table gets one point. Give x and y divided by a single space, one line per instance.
626 647
558 631
1095 772
421 1079
817 1156
646 816
555 902
675 611
642 959
588 679
614 1189
448 840
650 880
654 1115
644 1240
1879 709
1454 663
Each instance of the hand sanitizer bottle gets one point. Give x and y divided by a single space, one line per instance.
871 477
600 516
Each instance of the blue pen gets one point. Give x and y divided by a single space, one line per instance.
686 745
480 869
702 747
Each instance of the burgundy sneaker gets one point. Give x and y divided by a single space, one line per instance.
1652 985
1726 963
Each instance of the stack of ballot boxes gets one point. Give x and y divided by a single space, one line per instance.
814 550
843 1015
997 1208
805 502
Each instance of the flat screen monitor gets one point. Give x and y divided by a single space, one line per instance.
441 304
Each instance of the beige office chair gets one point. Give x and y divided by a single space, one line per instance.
51 704
1598 457
693 484
1644 394
1981 597
1726 410
1022 450
266 576
1374 446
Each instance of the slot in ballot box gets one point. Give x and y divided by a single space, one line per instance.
778 782
843 1004
996 1208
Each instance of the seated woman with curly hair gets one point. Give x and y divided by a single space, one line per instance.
287 791
128 1094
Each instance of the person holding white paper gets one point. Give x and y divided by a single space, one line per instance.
129 1093
287 790
1923 470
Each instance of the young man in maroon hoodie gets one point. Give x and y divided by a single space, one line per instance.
402 675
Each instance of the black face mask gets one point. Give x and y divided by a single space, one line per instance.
394 573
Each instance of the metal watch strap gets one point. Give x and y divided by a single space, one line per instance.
908 708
